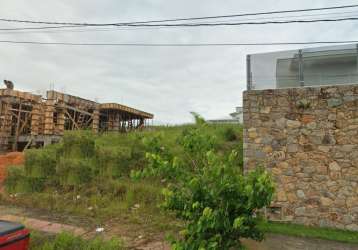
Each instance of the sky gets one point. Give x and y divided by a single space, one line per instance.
169 82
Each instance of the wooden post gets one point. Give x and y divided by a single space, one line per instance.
5 126
141 123
60 126
73 119
35 119
49 111
95 121
110 121
116 122
17 132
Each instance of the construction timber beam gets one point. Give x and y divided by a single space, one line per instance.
123 108
28 120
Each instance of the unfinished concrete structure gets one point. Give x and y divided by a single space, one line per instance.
27 119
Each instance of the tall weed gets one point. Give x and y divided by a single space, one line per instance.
67 241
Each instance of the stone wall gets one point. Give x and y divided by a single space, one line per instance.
308 139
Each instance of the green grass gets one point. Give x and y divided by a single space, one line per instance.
115 195
124 200
66 241
311 232
96 168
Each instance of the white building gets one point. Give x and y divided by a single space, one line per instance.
238 114
237 117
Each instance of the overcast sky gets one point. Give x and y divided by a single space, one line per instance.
168 82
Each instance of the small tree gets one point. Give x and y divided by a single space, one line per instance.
199 120
210 192
220 205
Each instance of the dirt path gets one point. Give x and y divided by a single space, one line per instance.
134 236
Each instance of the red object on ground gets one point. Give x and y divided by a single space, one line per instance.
13 236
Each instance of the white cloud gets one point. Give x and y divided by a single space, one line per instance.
169 82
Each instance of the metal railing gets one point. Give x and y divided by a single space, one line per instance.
305 67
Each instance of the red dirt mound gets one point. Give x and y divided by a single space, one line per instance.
13 158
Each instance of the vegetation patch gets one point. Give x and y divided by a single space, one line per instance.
194 172
310 232
66 241
209 191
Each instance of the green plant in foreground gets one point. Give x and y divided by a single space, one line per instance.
157 166
220 205
229 134
86 175
210 192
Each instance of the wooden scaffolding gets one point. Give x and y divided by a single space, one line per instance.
29 120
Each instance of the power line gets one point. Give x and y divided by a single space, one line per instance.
39 28
242 23
204 24
331 14
77 29
177 19
176 44
251 14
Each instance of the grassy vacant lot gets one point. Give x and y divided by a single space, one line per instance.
88 177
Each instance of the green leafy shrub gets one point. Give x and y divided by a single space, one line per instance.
80 144
14 176
40 163
73 163
18 182
199 120
220 205
74 172
153 143
196 142
112 162
229 134
210 192
158 167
